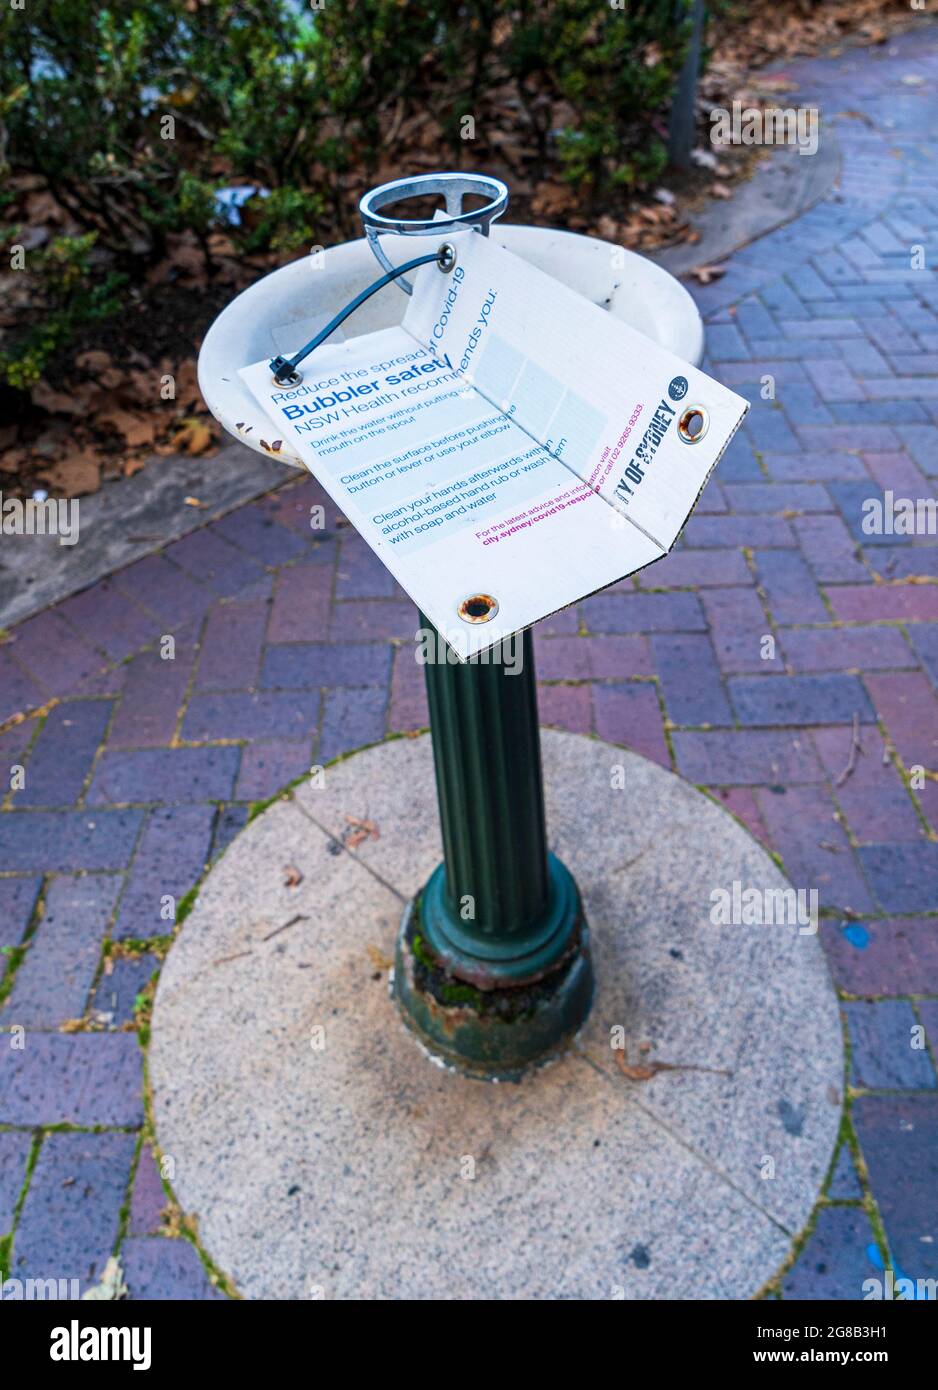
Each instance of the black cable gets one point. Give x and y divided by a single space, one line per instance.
284 366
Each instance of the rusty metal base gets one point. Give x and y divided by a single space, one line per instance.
495 1034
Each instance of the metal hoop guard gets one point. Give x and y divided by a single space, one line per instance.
453 187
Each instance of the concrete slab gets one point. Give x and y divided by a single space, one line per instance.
783 187
323 1154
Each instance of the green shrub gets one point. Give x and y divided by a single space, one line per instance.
72 289
135 112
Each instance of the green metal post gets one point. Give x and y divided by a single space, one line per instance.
493 969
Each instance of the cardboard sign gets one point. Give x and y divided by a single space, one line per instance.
510 448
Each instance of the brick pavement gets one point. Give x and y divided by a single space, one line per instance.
291 646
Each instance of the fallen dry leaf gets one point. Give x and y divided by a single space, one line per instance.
704 274
359 831
74 477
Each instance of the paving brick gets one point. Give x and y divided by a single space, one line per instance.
719 532
257 533
921 441
209 558
777 699
408 708
66 841
78 1078
229 822
565 659
114 999
71 1215
830 549
365 620
14 1154
173 852
302 666
834 381
846 437
777 497
873 797
63 753
629 714
105 618
639 612
267 767
816 853
741 802
925 642
878 412
17 900
563 623
767 427
883 1034
928 1013
884 603
844 1183
739 463
48 649
565 707
293 506
232 644
857 503
904 877
703 569
907 705
883 956
861 356
845 648
810 467
899 1139
836 1260
18 691
789 587
360 573
726 343
302 599
263 714
167 775
754 319
737 623
690 679
156 1267
55 977
173 597
351 718
612 656
897 471
154 690
148 1198
904 561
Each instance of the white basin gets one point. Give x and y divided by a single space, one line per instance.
284 309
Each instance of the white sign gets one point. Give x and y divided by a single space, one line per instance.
509 448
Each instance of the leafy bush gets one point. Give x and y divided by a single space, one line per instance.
73 290
135 112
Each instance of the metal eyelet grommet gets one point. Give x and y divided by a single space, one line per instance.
693 424
446 257
478 608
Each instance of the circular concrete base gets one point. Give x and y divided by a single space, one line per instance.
324 1155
